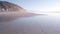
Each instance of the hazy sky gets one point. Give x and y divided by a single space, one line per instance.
39 5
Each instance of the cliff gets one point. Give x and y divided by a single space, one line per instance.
7 6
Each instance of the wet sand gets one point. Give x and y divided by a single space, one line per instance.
45 24
9 16
18 25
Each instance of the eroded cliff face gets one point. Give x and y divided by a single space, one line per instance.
7 6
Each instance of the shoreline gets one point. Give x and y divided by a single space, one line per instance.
9 16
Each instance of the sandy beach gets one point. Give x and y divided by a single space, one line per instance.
9 16
45 24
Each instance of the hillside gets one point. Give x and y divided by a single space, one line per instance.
7 6
10 11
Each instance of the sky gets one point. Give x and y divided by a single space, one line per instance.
38 5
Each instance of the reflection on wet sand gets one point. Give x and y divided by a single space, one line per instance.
18 25
9 16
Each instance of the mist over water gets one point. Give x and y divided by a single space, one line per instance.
41 24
